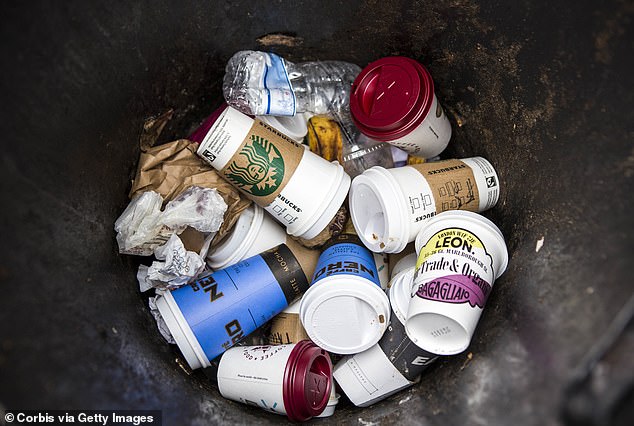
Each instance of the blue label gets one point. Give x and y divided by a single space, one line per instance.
281 98
346 257
227 305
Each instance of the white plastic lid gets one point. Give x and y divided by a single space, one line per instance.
345 314
181 331
295 127
378 211
401 292
404 263
473 222
322 217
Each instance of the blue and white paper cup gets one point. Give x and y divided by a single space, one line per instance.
345 311
214 312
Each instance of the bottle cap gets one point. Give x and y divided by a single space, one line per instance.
391 97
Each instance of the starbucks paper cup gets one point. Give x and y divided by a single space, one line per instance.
345 311
393 100
295 380
254 232
299 189
461 254
295 127
389 206
214 312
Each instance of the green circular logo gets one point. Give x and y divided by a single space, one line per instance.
258 169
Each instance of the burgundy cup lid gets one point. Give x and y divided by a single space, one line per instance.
200 133
307 381
391 97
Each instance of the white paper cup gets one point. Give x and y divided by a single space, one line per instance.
294 126
254 232
295 380
345 311
389 206
461 254
394 363
298 188
393 100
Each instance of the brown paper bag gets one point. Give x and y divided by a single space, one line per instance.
171 168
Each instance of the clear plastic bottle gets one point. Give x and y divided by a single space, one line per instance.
262 83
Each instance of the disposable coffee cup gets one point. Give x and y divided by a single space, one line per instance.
393 100
286 327
254 232
345 311
394 363
294 380
299 189
389 206
214 312
460 255
295 126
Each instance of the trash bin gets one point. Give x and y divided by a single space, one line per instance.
540 89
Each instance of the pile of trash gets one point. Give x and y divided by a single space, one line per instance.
312 209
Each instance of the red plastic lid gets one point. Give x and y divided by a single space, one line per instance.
391 97
200 133
307 381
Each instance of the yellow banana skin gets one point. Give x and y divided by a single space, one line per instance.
324 138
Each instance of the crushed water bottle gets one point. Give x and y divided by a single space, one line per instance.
263 83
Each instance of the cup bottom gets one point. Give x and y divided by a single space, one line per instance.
437 333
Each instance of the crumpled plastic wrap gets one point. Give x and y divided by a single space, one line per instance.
201 208
171 168
175 267
160 322
143 227
139 230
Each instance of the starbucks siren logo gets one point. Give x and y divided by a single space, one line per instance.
258 168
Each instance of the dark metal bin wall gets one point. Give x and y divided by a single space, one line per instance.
542 89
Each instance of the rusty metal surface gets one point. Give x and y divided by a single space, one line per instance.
541 89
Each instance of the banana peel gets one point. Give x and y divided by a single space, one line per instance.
324 138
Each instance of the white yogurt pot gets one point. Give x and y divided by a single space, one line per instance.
389 206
